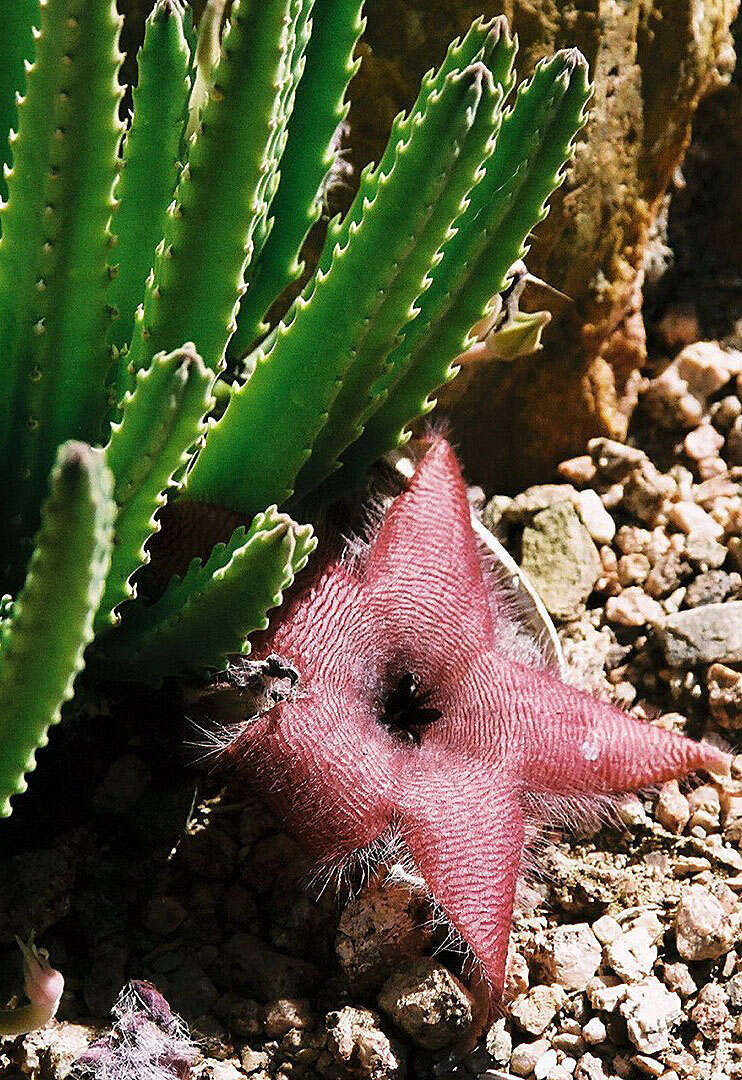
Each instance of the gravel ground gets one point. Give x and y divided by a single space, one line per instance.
627 956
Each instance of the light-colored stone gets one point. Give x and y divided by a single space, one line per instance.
545 1064
578 470
590 1067
51 1051
287 1013
725 695
704 553
710 1012
606 929
561 559
650 1011
526 1056
703 442
678 978
358 1046
630 808
691 518
499 1042
672 809
731 808
632 955
606 992
567 955
706 366
595 517
594 1032
633 568
535 1010
428 1003
705 807
704 929
648 1065
634 608
703 635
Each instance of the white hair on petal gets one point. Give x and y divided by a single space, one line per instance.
213 741
140 1049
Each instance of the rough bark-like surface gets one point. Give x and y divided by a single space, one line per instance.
652 61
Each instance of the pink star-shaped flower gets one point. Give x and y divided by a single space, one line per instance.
417 717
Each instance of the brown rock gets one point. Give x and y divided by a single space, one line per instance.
710 1012
651 63
384 927
358 1049
672 809
534 1011
703 927
428 1004
287 1014
567 955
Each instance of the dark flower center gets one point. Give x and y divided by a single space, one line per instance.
405 711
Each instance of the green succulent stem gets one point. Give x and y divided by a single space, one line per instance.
356 398
488 42
149 169
208 615
309 157
198 274
534 142
54 250
254 452
211 198
163 423
19 20
42 643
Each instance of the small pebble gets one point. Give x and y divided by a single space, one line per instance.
633 608
672 809
525 1056
606 929
534 1011
545 1064
710 1012
703 929
651 1011
595 517
648 1065
633 569
702 442
567 955
594 1031
590 1067
690 518
498 1042
678 978
606 992
632 955
578 470
725 695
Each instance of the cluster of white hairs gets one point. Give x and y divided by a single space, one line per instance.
147 1042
